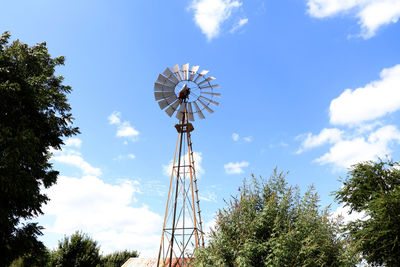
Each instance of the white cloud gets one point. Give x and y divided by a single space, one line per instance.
235 167
121 157
210 14
344 213
197 157
239 25
372 101
366 132
208 196
236 138
124 128
248 139
74 158
74 142
371 14
325 136
115 117
104 211
345 153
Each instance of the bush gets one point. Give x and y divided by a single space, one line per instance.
269 224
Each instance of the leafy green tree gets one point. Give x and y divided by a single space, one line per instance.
117 259
39 258
78 250
374 188
34 116
270 224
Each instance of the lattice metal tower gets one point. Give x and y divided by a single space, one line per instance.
176 91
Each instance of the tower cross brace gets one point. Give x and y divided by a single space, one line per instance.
182 229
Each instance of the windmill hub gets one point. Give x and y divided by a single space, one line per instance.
184 92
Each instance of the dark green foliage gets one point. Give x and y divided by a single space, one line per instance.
117 259
40 258
78 250
270 224
374 188
34 116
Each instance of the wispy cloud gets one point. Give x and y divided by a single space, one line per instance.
208 196
124 128
248 139
371 14
74 142
209 15
235 167
239 25
236 137
122 157
325 136
197 157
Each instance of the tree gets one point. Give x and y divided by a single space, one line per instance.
78 250
374 188
270 224
34 117
118 258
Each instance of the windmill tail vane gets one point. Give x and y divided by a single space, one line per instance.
186 92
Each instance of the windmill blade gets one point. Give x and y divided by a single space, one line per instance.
166 102
201 74
193 72
212 86
163 88
205 106
185 70
213 94
170 75
171 109
162 95
177 72
198 111
206 80
164 80
209 101
181 112
190 112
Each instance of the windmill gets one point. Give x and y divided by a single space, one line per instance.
186 92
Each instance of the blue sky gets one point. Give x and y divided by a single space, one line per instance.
308 86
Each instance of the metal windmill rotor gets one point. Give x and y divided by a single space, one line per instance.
181 89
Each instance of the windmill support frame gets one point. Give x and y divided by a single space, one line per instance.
182 217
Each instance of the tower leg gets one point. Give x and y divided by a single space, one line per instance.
182 229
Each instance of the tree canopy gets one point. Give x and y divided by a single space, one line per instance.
118 258
374 188
270 224
78 250
34 117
